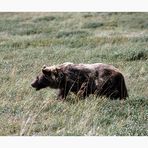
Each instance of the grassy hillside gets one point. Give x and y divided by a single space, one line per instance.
30 40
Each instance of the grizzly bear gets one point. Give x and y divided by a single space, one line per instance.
83 79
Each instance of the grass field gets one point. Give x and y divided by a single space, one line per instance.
30 40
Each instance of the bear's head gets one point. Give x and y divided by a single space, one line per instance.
50 77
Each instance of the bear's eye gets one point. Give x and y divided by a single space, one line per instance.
37 77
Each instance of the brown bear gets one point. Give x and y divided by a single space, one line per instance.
83 79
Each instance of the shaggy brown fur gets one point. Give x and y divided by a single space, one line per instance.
83 80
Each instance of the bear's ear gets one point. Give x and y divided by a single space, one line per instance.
46 71
44 66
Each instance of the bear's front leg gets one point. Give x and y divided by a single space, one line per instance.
62 94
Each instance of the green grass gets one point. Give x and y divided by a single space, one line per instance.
30 40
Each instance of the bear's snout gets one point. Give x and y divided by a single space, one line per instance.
33 84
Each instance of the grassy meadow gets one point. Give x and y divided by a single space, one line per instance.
30 40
